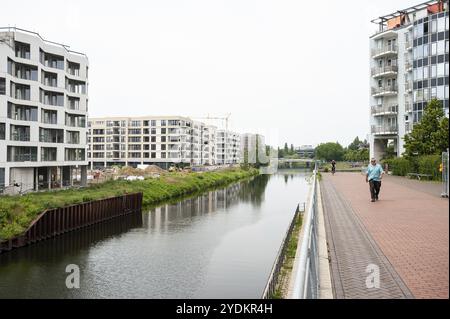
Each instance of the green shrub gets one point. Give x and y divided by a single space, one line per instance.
429 164
17 212
399 166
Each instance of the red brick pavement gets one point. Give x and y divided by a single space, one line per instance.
411 228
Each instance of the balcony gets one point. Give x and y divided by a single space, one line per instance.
20 136
387 50
408 66
384 129
408 127
379 110
408 44
387 70
408 107
387 90
408 86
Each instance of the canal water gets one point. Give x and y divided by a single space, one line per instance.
221 244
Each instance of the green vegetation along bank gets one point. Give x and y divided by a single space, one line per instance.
17 212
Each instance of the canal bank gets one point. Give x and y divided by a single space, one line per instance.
18 212
221 244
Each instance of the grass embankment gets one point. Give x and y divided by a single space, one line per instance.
342 167
17 212
288 262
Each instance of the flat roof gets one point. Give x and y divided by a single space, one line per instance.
65 46
411 9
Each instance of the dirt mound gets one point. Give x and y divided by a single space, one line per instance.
153 169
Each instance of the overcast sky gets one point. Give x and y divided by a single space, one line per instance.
293 67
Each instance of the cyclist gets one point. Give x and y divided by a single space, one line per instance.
333 167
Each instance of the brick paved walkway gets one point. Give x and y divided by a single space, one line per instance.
406 234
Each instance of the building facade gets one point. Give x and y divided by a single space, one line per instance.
43 112
409 67
306 151
253 149
157 140
228 147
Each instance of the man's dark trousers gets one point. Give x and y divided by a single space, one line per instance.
374 188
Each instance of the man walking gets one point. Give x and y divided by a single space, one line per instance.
373 177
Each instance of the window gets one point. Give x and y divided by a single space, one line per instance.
48 154
19 133
440 69
22 112
21 154
441 47
47 135
49 116
2 131
440 92
2 178
74 154
2 86
433 48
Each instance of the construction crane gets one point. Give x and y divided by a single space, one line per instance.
223 118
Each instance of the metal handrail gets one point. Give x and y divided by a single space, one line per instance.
306 284
281 255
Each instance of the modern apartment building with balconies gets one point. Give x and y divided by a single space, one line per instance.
228 147
409 67
157 140
43 110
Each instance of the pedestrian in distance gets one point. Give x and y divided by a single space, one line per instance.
373 177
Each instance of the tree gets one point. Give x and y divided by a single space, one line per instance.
330 151
354 146
286 149
361 155
430 135
292 149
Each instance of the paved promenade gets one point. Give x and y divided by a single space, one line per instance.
405 234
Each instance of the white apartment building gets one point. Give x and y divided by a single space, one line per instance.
228 147
250 144
157 140
43 110
409 67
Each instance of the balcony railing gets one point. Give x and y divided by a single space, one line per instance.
384 109
408 127
408 44
384 129
387 89
392 49
386 69
408 86
408 66
408 107
20 136
23 158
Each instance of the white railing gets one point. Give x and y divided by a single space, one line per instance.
306 284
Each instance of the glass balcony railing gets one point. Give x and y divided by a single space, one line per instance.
387 49
386 69
387 89
384 109
384 129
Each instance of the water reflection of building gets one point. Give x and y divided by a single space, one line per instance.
251 191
